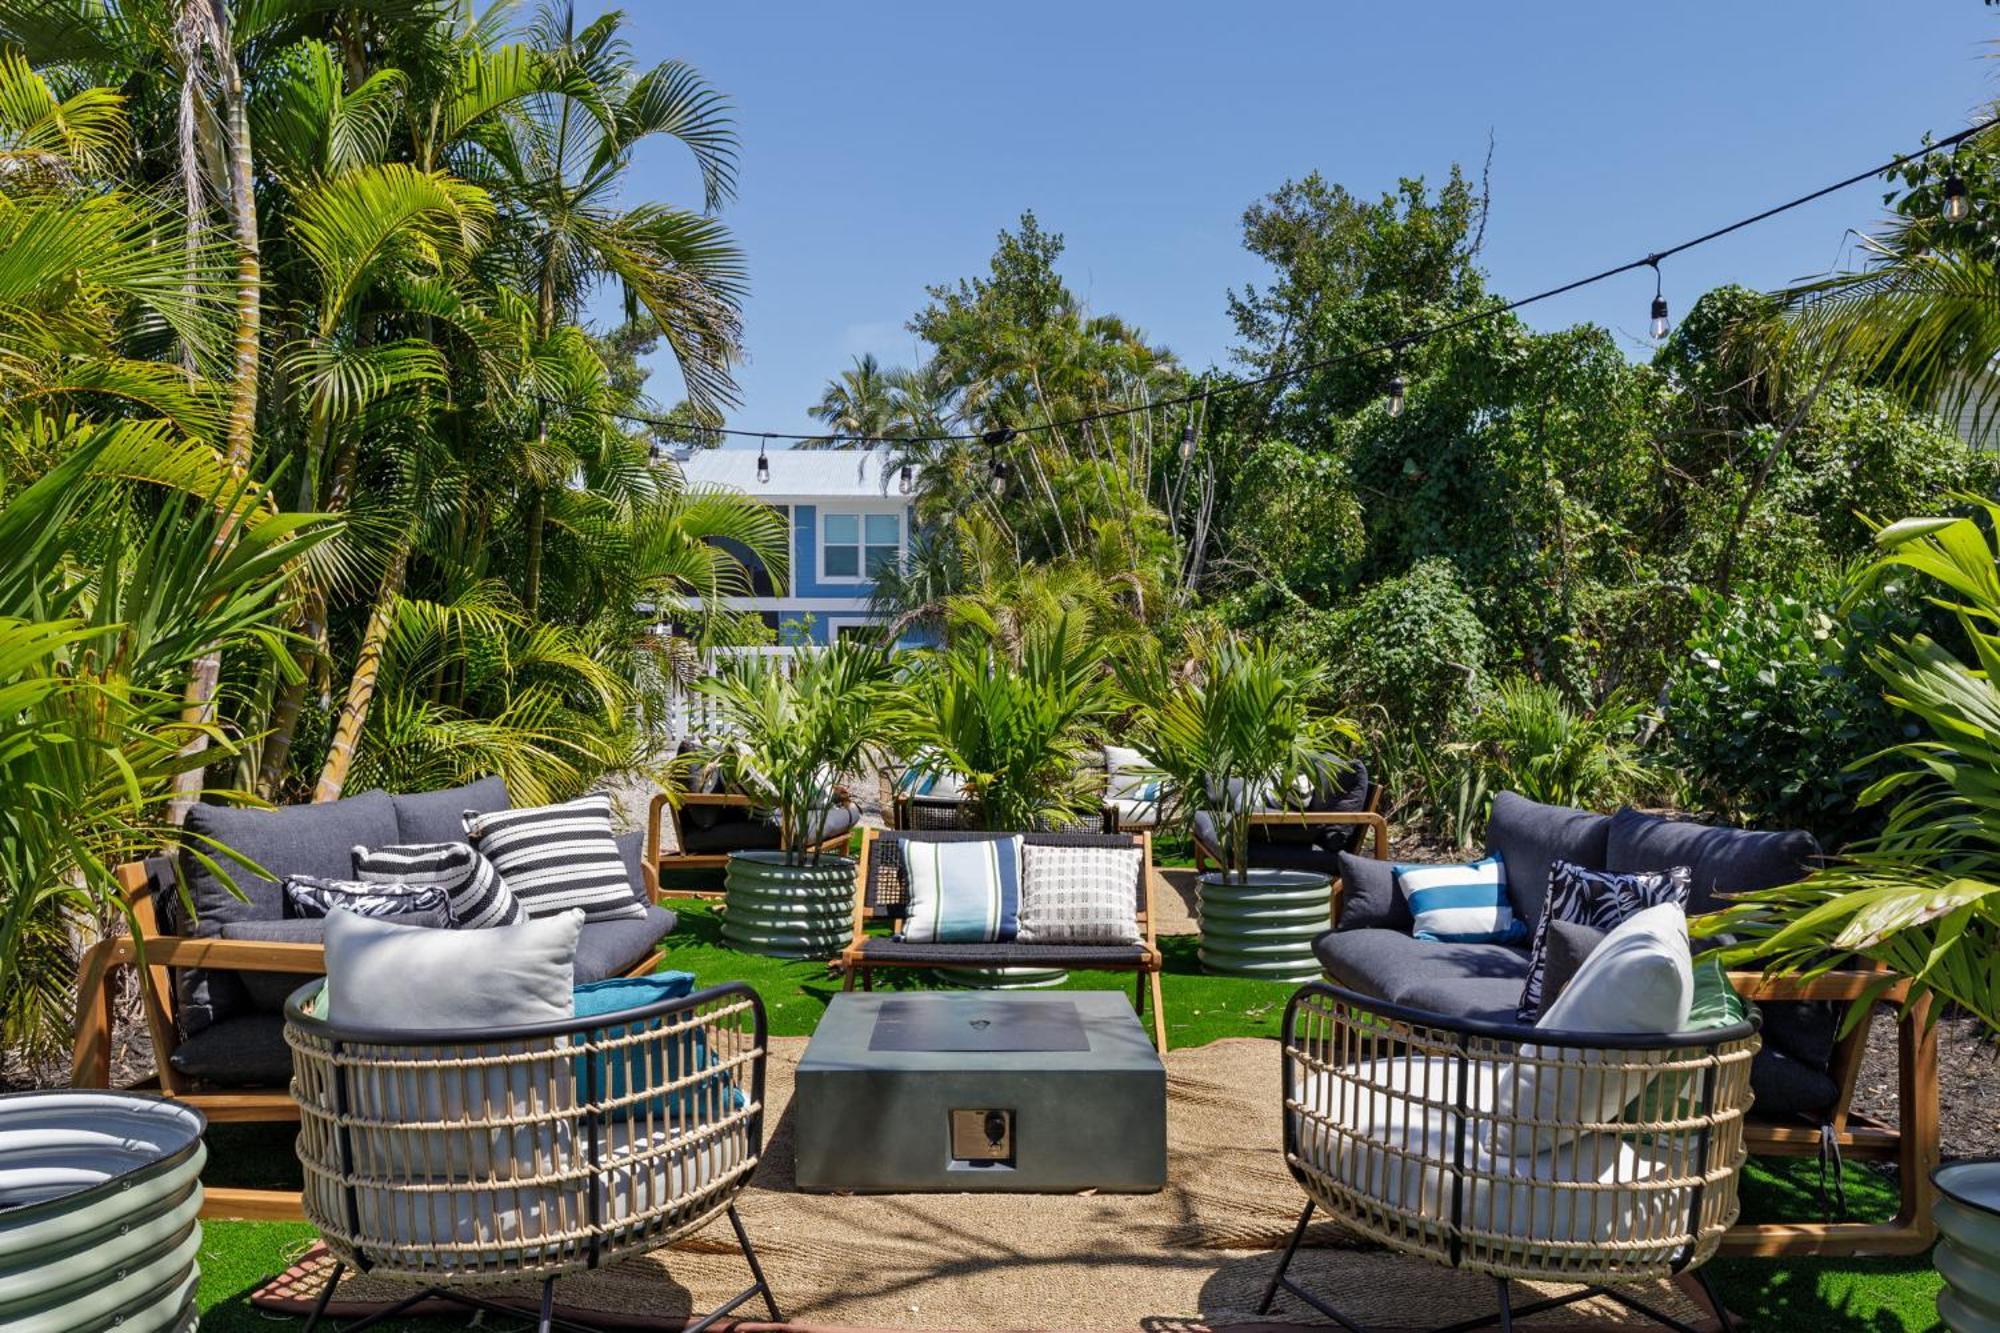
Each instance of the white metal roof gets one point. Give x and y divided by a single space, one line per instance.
797 474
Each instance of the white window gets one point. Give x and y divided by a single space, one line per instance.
854 546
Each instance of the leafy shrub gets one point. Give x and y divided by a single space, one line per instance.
1771 704
1529 738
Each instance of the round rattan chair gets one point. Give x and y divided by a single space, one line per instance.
1514 1151
454 1160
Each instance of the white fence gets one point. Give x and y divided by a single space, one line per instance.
691 712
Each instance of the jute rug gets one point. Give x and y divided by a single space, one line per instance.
1195 1255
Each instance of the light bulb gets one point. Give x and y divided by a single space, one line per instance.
1957 205
1396 389
1660 324
764 462
999 478
903 481
1187 442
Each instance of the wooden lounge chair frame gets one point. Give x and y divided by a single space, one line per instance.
154 953
854 964
1369 816
665 810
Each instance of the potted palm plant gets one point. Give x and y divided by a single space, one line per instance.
1018 734
1921 899
1235 735
785 731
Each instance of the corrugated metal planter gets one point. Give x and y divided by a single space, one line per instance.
1002 978
1266 927
781 908
99 1196
1968 1252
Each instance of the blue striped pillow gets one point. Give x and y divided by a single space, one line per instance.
962 892
1461 904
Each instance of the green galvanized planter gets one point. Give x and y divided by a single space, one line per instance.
1264 928
1002 978
99 1198
781 908
1968 1253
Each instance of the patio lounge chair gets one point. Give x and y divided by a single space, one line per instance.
1334 821
1414 1131
711 820
215 986
445 1159
879 896
1804 1077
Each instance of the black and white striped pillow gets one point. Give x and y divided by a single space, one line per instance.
479 897
556 858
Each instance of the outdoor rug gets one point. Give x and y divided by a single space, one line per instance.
1195 1255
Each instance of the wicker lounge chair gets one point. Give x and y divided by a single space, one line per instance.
1404 1126
451 1160
879 896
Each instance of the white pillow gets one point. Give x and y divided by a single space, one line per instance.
1639 980
1079 895
382 975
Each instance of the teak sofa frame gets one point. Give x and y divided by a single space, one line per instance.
665 811
1368 816
161 954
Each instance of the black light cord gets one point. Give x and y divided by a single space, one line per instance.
1393 345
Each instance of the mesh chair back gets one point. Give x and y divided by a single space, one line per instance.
887 895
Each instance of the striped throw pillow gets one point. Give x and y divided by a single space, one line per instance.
1461 904
479 897
559 858
962 892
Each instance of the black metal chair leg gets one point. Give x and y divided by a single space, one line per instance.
546 1324
1506 1306
325 1296
756 1269
1285 1263
1723 1320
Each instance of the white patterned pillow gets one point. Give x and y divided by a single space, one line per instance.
309 897
1079 895
559 858
480 899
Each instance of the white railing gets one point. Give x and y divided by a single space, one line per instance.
691 712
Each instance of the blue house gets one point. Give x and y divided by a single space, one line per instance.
850 518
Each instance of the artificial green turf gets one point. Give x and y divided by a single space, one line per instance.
1787 1296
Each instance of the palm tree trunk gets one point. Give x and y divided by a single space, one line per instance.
361 686
242 424
531 596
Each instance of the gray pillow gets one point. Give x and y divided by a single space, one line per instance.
438 816
1530 836
382 975
1568 944
1368 897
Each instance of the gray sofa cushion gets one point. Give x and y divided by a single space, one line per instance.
1529 836
265 992
1720 860
1368 897
611 948
749 831
1568 944
1268 853
1467 980
246 1051
290 840
438 816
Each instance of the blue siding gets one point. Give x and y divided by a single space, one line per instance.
805 583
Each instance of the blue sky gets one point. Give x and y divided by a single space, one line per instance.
885 144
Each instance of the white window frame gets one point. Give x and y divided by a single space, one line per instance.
860 514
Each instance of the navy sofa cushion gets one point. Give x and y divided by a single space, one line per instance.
244 1051
1465 980
439 816
611 948
1529 836
1368 896
1721 860
266 991
749 831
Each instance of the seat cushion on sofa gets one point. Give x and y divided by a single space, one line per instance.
1719 860
246 1051
438 816
267 991
740 833
1787 1086
1480 981
612 948
1529 836
1368 896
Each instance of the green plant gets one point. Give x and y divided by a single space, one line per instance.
1529 738
1771 708
1238 731
1017 733
788 729
1923 896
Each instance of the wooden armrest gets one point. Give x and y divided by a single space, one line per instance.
715 798
1843 985
235 955
1365 818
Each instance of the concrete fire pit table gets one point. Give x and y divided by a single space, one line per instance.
1024 1093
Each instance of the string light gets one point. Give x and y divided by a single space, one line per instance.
1957 206
764 462
904 481
1396 391
996 465
1660 323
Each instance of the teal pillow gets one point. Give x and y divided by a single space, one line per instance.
1716 1003
650 1064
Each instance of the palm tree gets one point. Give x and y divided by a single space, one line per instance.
861 405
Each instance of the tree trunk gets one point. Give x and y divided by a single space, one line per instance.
361 686
531 596
242 425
